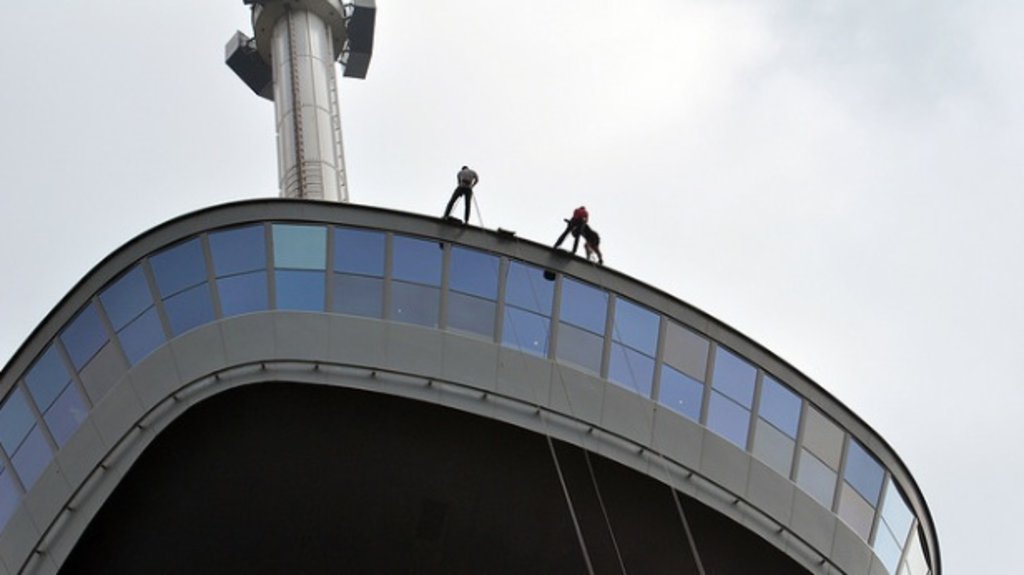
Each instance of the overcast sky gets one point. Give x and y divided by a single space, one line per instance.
839 180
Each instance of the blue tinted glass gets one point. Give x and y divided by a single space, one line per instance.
816 478
472 314
887 549
32 458
300 247
358 295
580 347
301 290
10 497
734 377
189 309
84 336
583 305
243 293
630 369
681 393
473 272
414 303
863 473
16 420
636 326
47 377
143 335
126 298
238 250
359 251
179 267
66 414
526 331
780 406
728 419
417 261
526 288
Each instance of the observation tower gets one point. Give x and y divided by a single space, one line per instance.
297 385
291 60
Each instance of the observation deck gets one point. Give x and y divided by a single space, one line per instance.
406 306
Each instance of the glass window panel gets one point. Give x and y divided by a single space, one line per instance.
636 326
47 377
823 438
915 559
734 377
127 297
863 472
359 251
189 309
243 293
102 372
10 497
300 290
358 295
413 303
525 287
472 314
780 406
417 261
300 247
774 448
580 347
896 513
178 268
238 250
583 305
66 414
728 419
474 272
816 479
84 336
143 335
631 369
681 393
686 351
526 331
887 549
32 458
16 420
855 511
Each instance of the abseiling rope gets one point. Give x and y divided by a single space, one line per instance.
593 476
479 214
586 454
551 446
664 464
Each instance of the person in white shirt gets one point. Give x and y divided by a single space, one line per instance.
466 179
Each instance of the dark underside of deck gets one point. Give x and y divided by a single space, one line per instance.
287 478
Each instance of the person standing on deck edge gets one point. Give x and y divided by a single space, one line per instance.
466 179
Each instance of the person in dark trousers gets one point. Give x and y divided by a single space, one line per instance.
574 226
592 243
466 179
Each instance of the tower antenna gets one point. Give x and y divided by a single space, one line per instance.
290 60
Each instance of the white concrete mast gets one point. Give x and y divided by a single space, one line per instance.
291 61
